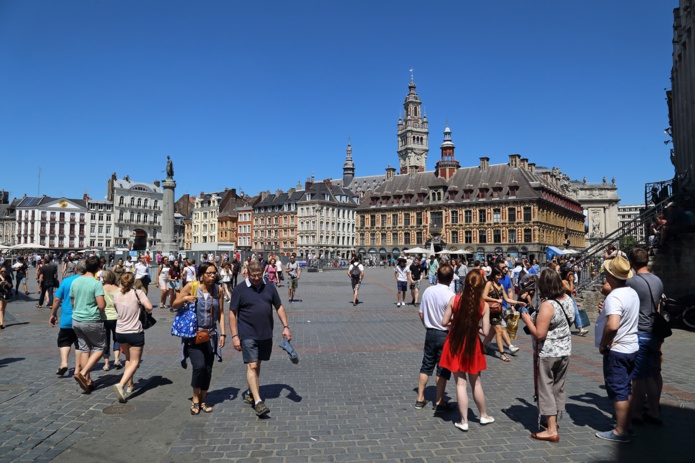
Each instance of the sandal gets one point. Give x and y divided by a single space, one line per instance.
195 408
504 358
205 408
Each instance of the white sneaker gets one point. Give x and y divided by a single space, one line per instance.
513 349
462 426
487 420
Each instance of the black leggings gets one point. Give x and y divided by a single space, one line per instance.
110 326
202 358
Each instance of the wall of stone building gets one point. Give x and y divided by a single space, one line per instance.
683 91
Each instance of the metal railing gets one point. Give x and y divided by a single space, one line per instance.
589 264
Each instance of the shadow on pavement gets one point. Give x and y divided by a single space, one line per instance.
272 391
149 384
525 414
7 325
602 402
222 395
4 362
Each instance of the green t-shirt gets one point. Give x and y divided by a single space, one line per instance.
84 291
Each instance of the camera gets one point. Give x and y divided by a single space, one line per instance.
526 330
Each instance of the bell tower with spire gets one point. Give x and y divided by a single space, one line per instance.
448 165
412 133
348 167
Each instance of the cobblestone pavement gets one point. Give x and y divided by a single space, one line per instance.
350 398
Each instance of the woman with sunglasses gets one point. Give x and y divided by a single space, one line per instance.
209 309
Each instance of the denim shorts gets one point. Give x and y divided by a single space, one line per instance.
434 343
253 350
647 356
617 374
402 286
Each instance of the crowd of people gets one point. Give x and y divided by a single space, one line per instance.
461 319
99 311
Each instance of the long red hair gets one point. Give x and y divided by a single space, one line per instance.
463 334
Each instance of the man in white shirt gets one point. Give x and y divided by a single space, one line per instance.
356 274
142 275
402 279
616 339
432 307
128 264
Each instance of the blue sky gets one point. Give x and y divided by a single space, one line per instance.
258 95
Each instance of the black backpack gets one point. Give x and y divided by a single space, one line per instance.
355 271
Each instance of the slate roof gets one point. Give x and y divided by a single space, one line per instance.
32 201
127 184
529 185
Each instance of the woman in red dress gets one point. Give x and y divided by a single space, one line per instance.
463 351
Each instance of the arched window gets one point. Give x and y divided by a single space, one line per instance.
139 202
145 203
121 201
132 202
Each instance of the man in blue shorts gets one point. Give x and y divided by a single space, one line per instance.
617 341
251 326
402 277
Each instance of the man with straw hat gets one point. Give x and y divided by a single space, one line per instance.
616 339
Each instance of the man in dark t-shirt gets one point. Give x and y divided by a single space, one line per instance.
251 326
644 383
48 277
415 277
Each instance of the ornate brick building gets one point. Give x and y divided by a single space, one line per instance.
484 210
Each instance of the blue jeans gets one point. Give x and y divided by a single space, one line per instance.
577 320
433 279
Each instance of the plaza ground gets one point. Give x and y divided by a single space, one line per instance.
350 398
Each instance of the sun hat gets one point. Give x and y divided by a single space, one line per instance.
619 267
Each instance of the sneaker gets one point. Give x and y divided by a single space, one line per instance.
462 426
120 393
513 349
420 404
487 420
583 332
247 397
610 435
261 409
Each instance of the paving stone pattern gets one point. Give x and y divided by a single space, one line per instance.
350 398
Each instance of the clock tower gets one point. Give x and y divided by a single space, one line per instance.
412 134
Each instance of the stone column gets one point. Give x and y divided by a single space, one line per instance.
168 243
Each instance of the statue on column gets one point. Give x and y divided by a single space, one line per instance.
170 169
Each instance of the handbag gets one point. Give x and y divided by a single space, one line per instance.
146 319
660 328
202 335
495 307
185 324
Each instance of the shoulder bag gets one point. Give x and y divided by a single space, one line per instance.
146 319
495 307
660 328
185 323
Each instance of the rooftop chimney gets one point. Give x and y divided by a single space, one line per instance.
390 172
524 163
484 163
234 193
546 176
514 160
328 183
532 167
